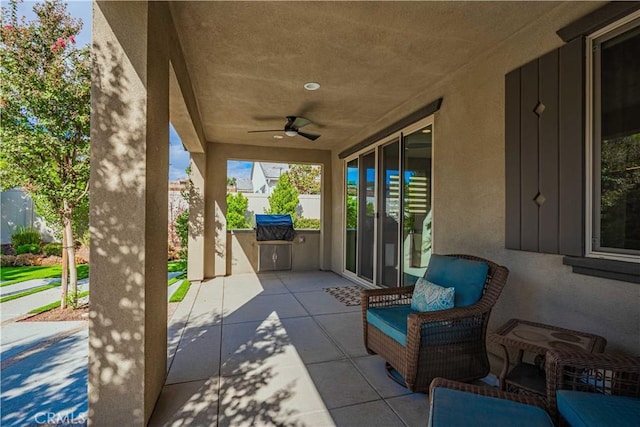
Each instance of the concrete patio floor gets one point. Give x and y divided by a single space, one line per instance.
276 349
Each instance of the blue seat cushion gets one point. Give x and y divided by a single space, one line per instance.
580 408
455 408
391 320
467 276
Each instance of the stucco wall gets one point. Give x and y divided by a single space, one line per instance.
242 251
469 198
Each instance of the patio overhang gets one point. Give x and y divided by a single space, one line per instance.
217 70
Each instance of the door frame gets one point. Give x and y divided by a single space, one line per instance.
376 147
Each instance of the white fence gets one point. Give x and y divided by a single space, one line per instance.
309 206
18 210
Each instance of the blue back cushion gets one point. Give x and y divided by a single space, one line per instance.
467 276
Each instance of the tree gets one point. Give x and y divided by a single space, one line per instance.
352 212
284 199
305 178
45 121
236 208
182 230
181 225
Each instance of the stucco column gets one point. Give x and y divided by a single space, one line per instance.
129 197
199 246
217 210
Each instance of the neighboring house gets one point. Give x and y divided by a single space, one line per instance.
177 203
264 176
18 210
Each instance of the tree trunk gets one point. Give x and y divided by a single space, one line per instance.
71 255
65 274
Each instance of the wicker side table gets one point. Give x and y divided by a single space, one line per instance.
536 338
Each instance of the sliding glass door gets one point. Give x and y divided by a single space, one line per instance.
366 215
389 227
351 220
416 207
388 209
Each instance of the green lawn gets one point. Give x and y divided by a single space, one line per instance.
54 304
27 292
180 293
176 266
21 274
14 275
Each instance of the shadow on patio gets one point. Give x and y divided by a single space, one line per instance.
276 349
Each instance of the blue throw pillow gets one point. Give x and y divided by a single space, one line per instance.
428 296
467 276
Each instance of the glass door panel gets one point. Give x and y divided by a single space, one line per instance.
389 215
366 215
416 229
352 215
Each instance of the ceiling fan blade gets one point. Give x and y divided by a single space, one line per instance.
300 122
310 136
271 130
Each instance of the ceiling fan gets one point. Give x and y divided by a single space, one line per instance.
292 128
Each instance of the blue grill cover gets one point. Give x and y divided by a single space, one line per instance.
274 227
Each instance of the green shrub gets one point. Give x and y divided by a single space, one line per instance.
308 223
25 236
52 249
28 249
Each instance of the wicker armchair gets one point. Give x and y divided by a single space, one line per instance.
605 374
448 343
453 403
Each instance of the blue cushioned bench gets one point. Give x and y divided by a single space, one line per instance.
455 404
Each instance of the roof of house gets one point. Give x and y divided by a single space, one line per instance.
273 170
244 185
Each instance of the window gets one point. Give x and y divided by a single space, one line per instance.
613 141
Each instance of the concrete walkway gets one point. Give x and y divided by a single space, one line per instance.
21 306
276 349
44 373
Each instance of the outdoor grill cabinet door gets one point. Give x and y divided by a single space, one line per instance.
274 257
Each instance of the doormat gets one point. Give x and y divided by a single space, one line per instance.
348 295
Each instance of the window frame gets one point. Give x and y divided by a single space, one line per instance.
592 132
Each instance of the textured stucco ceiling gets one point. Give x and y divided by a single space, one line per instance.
248 61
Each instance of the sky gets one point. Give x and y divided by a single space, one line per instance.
78 9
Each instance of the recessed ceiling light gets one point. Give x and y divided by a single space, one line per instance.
278 136
312 86
427 130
